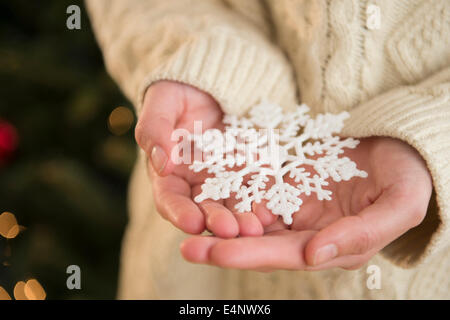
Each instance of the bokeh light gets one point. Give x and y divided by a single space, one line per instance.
8 225
4 295
19 291
120 120
30 290
8 140
64 129
33 290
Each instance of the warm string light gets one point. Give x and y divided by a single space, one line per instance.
31 289
19 291
9 228
120 120
4 295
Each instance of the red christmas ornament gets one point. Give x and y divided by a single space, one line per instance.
8 141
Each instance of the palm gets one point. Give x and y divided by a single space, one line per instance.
199 107
387 168
363 216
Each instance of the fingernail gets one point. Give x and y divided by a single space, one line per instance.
325 254
159 159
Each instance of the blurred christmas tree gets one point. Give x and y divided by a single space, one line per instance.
66 182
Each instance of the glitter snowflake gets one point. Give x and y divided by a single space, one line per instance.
274 156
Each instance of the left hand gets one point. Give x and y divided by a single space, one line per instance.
169 106
363 217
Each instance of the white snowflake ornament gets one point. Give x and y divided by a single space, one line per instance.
255 155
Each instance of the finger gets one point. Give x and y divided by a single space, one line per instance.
265 216
155 127
196 249
172 196
274 252
391 215
249 224
193 178
276 226
348 262
284 251
219 220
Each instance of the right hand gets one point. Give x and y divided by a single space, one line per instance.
168 106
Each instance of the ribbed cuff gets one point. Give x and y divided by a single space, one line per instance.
235 72
420 116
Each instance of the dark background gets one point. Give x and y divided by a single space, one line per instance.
66 182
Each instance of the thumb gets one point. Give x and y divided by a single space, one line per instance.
155 126
373 228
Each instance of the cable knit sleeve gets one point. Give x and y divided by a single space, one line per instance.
419 115
203 43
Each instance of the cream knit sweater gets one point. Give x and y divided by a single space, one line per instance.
394 81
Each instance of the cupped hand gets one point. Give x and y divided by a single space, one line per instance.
363 217
169 106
